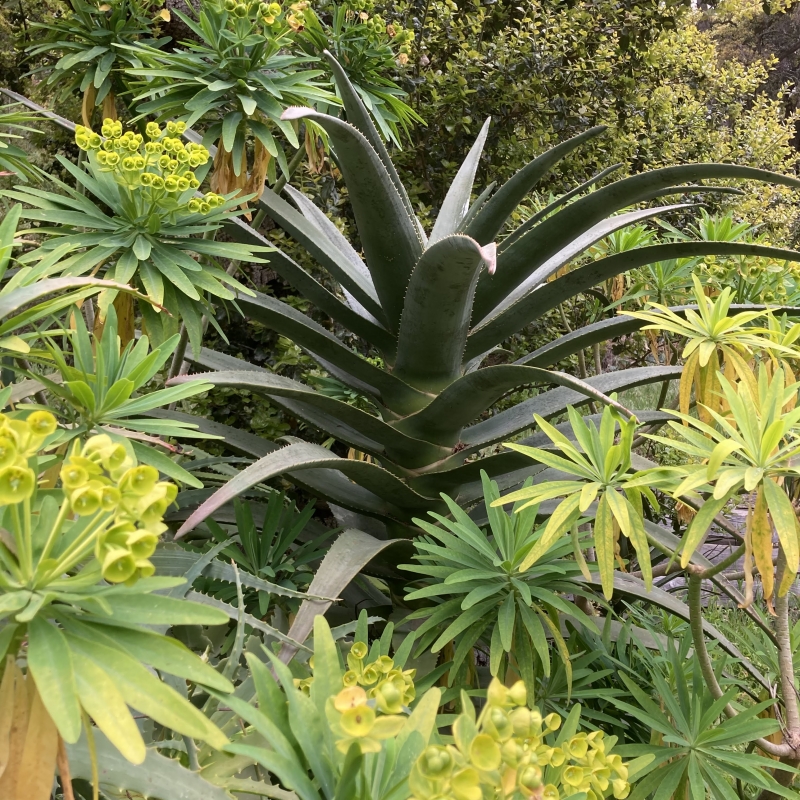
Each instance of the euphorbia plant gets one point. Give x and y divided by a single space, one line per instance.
77 604
350 733
145 225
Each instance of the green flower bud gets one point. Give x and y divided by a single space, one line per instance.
146 179
171 183
193 182
388 698
118 565
142 543
240 10
572 776
42 423
436 762
16 484
204 208
530 778
193 205
359 649
73 476
140 480
112 159
183 184
157 182
86 500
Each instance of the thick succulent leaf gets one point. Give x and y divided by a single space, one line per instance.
554 233
493 216
346 422
456 202
555 401
235 439
576 247
348 555
454 475
388 234
557 203
281 317
299 456
547 296
327 255
362 324
467 398
157 776
358 116
632 587
435 321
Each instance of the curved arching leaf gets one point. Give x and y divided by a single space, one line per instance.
435 321
326 254
548 296
389 236
631 587
492 217
358 116
530 251
281 317
470 396
555 401
576 247
611 328
346 422
366 327
404 503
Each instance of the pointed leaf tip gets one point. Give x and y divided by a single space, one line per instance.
489 255
296 112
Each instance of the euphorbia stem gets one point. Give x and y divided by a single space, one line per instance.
785 661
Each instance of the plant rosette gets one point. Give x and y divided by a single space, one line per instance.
77 599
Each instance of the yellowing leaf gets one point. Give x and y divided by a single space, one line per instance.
38 764
604 545
761 532
785 521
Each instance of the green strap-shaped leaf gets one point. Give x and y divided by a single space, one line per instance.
562 200
358 116
144 692
467 398
314 291
548 296
630 586
348 555
51 665
530 251
389 236
324 346
514 420
349 424
456 201
156 776
303 456
492 217
153 609
327 255
169 655
435 320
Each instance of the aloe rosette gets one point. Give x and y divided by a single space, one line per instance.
432 306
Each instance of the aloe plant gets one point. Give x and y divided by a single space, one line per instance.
432 306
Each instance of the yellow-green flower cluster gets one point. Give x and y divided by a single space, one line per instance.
354 719
160 167
392 689
504 755
20 440
101 479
